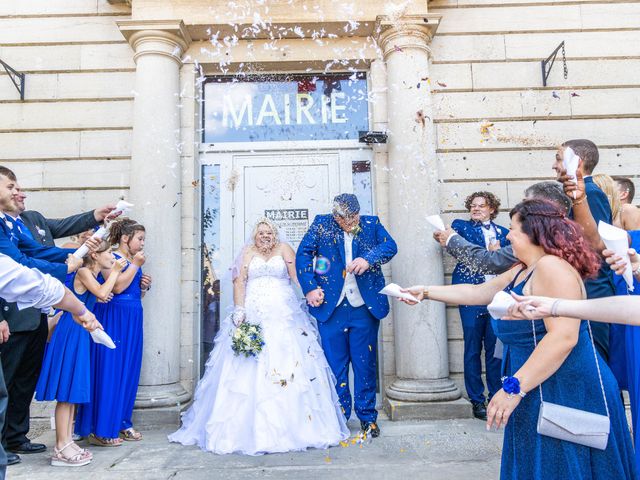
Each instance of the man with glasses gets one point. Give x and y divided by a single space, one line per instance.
476 322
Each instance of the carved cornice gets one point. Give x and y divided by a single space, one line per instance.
407 32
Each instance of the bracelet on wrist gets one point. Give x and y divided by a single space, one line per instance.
554 308
511 386
578 202
425 293
84 310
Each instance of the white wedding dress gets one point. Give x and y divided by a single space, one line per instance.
281 401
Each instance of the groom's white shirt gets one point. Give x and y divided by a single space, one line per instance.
350 288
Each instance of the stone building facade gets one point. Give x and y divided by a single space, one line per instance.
116 105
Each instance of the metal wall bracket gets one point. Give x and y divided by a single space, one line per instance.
550 60
17 78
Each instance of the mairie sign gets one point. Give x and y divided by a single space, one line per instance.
301 108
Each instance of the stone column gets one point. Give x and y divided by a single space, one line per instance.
422 388
155 191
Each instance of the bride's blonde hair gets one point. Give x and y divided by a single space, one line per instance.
268 223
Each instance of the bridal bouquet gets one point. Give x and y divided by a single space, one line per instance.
247 340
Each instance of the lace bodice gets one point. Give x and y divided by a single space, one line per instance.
274 267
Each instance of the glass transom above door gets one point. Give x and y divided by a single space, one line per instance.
285 108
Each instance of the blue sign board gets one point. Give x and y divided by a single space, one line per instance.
300 107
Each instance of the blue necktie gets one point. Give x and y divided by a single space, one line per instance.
23 228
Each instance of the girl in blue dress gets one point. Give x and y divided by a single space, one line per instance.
65 369
554 258
115 373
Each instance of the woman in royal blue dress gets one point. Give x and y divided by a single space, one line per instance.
623 310
115 374
554 257
65 369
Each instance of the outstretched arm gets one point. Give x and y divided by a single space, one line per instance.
622 309
31 288
8 248
479 258
73 225
462 294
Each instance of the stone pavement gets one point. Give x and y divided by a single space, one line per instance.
408 450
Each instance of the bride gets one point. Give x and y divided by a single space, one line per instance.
282 400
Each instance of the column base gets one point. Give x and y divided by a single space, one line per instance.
158 405
398 410
412 390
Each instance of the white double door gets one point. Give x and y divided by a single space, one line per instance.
290 187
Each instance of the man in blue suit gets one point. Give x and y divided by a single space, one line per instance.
476 321
17 244
348 252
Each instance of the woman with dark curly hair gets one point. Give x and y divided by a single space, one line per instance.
476 321
558 362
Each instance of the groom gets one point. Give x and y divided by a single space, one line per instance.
342 291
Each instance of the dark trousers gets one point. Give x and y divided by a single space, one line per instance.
478 332
3 409
21 361
350 335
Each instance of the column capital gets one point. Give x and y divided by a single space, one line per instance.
406 32
156 37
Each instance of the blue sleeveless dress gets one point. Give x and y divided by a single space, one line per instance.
631 365
65 369
115 373
528 455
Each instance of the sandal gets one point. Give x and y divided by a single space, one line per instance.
130 435
78 459
83 451
94 439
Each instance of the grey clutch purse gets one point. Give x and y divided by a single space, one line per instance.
571 424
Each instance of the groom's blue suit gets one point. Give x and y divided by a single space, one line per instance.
349 334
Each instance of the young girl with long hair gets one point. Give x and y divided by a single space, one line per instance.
65 373
115 373
554 352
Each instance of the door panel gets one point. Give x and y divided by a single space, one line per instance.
289 188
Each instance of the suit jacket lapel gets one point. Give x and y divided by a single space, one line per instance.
33 229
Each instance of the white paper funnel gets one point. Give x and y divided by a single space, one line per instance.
617 239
